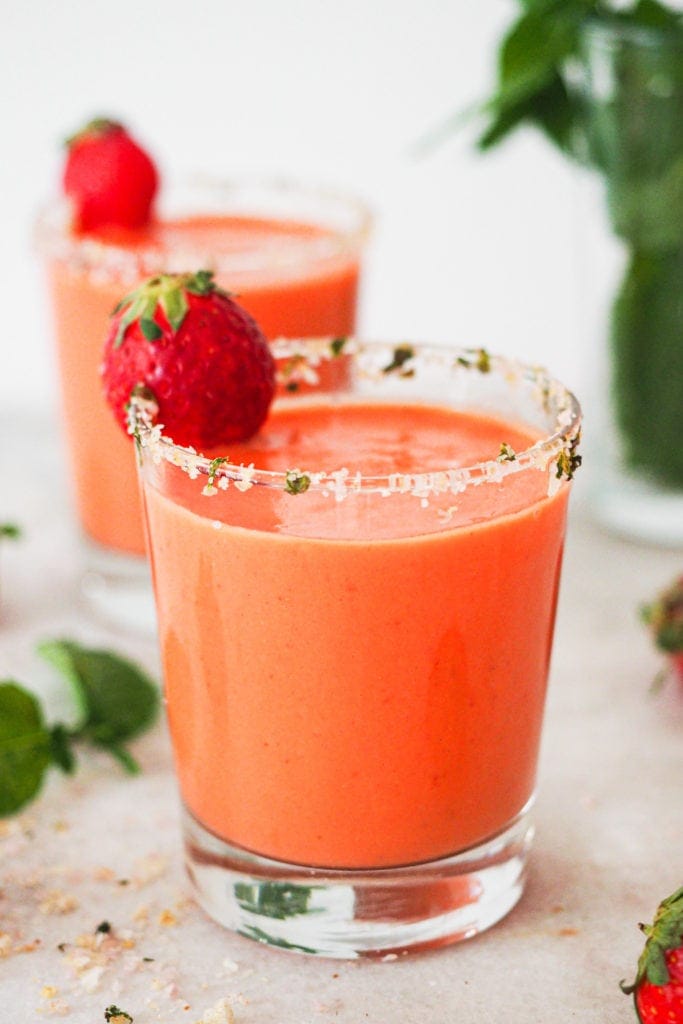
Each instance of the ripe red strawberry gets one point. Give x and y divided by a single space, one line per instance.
658 986
109 178
201 355
664 616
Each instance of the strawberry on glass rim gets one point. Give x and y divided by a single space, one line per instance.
658 986
664 616
110 180
183 341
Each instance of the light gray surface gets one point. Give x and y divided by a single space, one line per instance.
609 827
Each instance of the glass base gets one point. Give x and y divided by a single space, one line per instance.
116 589
637 509
358 913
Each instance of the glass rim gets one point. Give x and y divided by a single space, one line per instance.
556 449
53 237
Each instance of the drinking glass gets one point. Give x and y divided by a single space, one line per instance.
631 93
355 617
289 253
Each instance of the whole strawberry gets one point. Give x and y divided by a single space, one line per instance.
664 616
202 356
110 180
658 986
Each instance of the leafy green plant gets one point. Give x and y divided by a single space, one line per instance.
553 64
115 699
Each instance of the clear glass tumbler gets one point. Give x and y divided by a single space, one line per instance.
355 616
632 95
291 254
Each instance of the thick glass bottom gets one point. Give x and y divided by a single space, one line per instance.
116 589
358 913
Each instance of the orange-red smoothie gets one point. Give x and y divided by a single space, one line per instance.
294 278
357 682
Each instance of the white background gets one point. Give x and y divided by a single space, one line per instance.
483 250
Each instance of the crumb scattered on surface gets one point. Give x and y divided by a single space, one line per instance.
57 902
220 1013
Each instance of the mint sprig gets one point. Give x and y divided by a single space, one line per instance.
535 79
116 701
25 747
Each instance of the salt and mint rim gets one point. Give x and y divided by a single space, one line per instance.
257 198
374 361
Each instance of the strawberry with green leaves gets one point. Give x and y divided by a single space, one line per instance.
110 180
658 986
202 358
664 616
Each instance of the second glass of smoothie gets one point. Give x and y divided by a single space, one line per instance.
292 257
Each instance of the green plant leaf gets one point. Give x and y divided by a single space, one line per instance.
61 752
116 699
647 360
24 747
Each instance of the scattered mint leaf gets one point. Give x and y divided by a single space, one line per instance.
10 530
479 360
401 355
113 1015
296 483
214 466
24 747
116 700
61 753
337 346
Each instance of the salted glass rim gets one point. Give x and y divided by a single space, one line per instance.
556 449
54 238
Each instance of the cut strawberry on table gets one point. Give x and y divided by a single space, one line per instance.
202 357
109 178
664 616
658 986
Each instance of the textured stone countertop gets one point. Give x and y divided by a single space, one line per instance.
104 847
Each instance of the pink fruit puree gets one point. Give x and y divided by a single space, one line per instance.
361 682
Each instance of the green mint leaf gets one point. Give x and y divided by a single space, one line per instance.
507 453
10 530
116 699
337 346
24 747
651 14
125 759
296 483
61 753
113 1015
401 355
535 46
